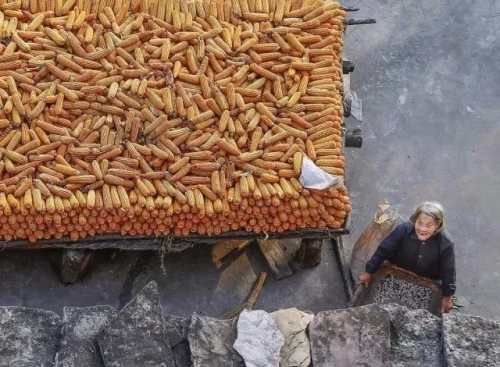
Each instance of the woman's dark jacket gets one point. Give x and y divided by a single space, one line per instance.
434 258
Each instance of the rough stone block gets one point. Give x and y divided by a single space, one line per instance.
137 335
182 354
471 341
354 337
296 352
28 337
173 334
78 346
259 341
180 323
211 342
416 338
177 331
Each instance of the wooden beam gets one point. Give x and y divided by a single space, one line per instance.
145 242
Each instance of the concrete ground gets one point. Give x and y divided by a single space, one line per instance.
190 283
428 73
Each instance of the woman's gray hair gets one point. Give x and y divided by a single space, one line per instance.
433 209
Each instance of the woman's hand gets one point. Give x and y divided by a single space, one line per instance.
365 278
446 304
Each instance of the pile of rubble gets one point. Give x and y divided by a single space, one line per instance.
140 335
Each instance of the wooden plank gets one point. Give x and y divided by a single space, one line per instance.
275 258
225 251
338 245
383 223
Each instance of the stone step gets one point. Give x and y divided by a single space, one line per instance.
471 341
28 337
416 338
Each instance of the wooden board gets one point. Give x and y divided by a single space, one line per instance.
275 258
382 224
225 251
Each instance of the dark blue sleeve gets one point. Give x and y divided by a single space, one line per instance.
387 247
447 267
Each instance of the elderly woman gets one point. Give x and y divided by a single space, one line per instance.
421 246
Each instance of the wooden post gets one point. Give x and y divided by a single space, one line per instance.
74 265
310 253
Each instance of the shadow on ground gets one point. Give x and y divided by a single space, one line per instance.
190 283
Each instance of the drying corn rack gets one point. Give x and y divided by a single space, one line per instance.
94 9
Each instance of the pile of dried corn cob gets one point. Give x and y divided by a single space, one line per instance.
168 117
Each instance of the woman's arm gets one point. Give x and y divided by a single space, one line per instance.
387 247
447 268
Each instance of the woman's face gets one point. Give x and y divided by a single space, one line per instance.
425 227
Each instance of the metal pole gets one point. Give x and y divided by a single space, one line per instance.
360 21
350 8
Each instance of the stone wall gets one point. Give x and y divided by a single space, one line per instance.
140 335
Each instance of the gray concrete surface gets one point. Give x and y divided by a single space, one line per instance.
429 76
191 283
